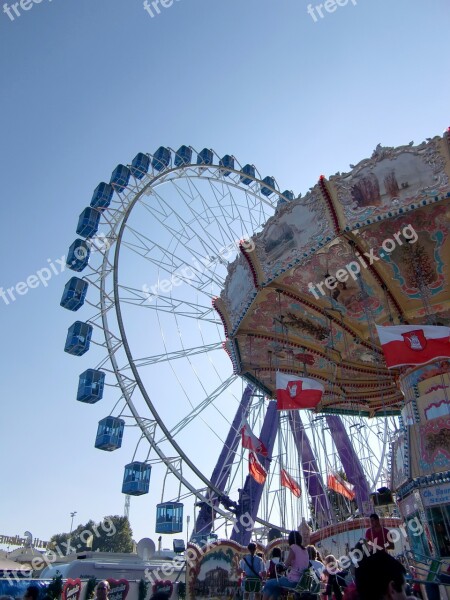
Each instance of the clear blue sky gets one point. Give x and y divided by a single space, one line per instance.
87 84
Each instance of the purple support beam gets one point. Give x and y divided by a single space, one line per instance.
350 461
317 492
221 473
250 495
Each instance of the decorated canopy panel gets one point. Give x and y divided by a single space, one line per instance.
364 248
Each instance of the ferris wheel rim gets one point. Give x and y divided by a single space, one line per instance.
161 178
121 225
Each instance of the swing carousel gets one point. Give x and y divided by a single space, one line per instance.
360 250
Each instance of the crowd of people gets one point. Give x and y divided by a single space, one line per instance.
373 575
33 592
271 579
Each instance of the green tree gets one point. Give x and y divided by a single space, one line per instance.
55 587
116 537
112 534
58 543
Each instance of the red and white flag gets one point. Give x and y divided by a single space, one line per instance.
413 344
294 393
250 441
255 468
339 485
291 483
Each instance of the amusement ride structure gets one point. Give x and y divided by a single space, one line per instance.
205 280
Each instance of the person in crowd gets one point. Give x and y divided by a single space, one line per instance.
297 561
102 591
380 577
252 567
378 536
334 578
160 596
319 556
275 567
350 592
31 593
314 561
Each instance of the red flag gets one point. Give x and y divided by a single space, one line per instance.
294 393
339 485
414 344
290 483
255 468
250 441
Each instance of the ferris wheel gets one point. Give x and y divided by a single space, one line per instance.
156 247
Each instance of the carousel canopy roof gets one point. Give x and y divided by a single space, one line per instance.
364 248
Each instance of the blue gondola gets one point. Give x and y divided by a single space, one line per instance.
161 158
169 517
289 195
78 255
78 338
90 386
102 196
140 165
267 191
74 293
226 161
183 156
248 170
205 157
88 222
120 178
136 479
109 434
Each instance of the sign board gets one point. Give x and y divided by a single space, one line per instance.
438 494
71 589
119 588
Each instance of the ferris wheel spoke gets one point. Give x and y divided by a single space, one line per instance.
168 219
170 263
201 407
232 213
209 241
204 214
163 260
151 360
186 230
155 301
149 245
230 210
194 370
223 215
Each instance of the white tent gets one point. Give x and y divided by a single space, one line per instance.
9 565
